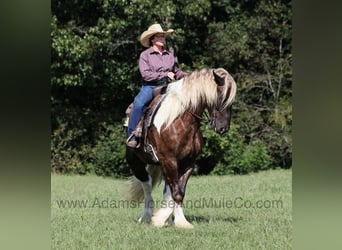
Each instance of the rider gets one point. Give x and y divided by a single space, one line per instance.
157 66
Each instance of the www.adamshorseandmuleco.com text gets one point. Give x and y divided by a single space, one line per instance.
204 202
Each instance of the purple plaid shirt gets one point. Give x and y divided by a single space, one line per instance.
154 66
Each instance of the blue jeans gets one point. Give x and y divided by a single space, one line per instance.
144 97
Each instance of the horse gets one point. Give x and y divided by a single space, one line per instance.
177 140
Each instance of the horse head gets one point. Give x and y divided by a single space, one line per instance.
220 120
226 90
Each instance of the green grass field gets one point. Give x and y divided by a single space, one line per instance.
228 212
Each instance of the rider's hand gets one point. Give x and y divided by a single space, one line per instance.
171 75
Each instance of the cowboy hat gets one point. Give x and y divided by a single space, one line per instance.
152 30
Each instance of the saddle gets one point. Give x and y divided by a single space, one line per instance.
146 121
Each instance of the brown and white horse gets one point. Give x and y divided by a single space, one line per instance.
177 140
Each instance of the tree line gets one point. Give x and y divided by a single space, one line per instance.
94 76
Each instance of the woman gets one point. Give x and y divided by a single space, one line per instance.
157 66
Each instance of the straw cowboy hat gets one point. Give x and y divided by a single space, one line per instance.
152 30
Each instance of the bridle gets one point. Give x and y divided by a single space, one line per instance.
195 115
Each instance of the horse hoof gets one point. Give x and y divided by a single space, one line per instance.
157 222
145 220
184 224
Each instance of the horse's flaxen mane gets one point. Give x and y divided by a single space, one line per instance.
193 91
229 85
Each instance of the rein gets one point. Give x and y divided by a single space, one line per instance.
197 116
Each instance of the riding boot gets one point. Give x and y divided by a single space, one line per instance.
132 141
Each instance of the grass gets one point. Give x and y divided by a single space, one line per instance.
228 212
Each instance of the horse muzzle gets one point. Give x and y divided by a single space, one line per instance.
221 130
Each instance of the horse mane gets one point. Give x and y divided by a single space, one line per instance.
195 89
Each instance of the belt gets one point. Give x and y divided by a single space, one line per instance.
164 80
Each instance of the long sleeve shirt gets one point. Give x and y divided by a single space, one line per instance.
154 66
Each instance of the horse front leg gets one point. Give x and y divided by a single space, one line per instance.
163 215
173 196
171 193
180 220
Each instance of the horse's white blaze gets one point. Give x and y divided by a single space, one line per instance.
148 201
160 218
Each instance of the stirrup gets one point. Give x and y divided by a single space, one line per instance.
130 137
132 144
137 132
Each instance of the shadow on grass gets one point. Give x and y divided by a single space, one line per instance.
207 220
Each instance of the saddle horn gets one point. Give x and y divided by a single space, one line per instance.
218 79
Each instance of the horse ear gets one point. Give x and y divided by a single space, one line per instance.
218 79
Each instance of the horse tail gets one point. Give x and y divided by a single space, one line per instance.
135 191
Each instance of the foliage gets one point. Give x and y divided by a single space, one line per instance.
94 76
228 154
109 152
68 152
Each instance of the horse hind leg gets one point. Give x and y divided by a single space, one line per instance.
148 201
138 190
142 190
141 186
